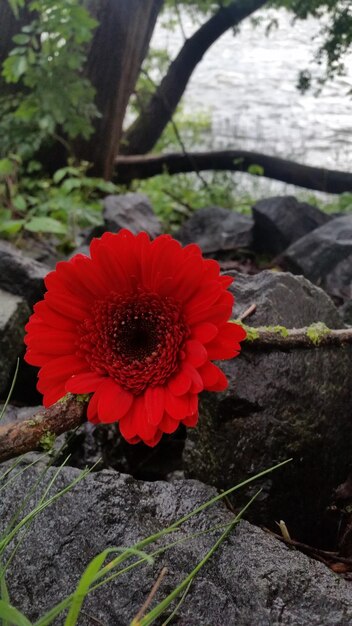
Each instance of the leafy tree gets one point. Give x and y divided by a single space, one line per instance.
60 59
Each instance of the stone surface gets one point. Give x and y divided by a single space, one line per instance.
281 220
14 313
325 257
20 274
346 312
216 229
252 579
280 405
132 211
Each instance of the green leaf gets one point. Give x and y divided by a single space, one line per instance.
6 167
11 227
19 202
14 67
21 39
12 615
256 170
46 225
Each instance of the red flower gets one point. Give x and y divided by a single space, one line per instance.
137 325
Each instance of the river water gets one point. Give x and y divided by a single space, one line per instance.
246 83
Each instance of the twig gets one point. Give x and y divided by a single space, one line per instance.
153 591
21 437
248 312
281 338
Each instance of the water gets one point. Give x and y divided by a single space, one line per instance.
247 84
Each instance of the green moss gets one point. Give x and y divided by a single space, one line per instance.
315 332
83 397
47 441
280 330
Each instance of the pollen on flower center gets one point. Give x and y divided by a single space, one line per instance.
136 340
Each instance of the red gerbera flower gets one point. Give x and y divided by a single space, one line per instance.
136 324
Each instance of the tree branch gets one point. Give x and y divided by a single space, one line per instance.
128 168
147 129
279 338
21 437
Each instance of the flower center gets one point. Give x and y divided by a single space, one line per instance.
136 340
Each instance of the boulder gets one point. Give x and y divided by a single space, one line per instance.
217 230
132 211
346 312
325 257
281 220
14 313
251 578
20 274
279 405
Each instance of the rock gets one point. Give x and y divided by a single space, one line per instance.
132 211
281 220
346 312
280 405
251 579
282 298
20 274
217 230
325 257
14 313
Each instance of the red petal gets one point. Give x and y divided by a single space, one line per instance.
113 403
179 384
209 374
191 420
176 406
154 404
47 315
53 395
84 383
168 424
92 411
195 377
221 384
232 332
155 439
204 332
62 367
196 354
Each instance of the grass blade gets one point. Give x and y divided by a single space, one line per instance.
13 615
163 605
2 412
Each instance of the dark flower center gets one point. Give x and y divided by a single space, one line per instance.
136 340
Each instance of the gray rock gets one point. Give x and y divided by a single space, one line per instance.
282 298
20 274
14 313
280 405
216 229
132 211
346 312
325 257
251 579
281 220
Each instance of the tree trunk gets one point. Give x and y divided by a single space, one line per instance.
330 181
142 136
116 53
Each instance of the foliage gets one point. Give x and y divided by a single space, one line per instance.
51 96
336 34
59 205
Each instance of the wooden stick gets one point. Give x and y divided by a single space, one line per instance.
283 339
20 437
